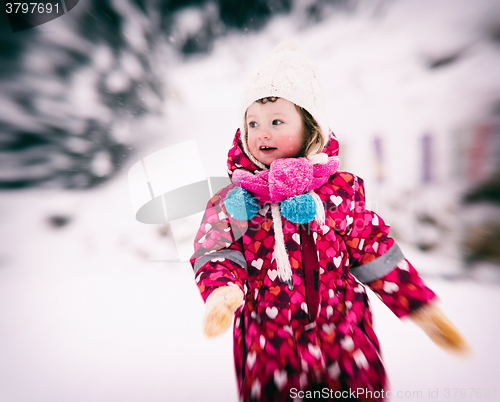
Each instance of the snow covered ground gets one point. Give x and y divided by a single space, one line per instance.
94 306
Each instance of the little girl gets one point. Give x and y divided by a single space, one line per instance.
288 248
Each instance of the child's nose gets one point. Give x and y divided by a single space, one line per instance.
264 134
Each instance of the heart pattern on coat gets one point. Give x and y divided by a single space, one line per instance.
334 370
403 264
360 359
347 343
272 312
262 341
390 287
255 389
336 199
280 378
251 357
272 274
328 327
258 263
315 351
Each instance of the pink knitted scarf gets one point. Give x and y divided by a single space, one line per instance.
287 177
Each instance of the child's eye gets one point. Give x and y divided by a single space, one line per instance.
276 122
252 124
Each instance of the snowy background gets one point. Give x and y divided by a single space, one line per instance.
95 305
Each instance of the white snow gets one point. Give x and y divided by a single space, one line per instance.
99 309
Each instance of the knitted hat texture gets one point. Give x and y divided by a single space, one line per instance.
288 74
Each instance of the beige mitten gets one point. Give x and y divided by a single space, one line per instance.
442 332
220 308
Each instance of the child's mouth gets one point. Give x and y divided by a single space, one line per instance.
267 149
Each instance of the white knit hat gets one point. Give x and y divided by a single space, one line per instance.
287 74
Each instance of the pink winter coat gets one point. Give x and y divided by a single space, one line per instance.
280 351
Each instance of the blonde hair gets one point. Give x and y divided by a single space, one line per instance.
313 138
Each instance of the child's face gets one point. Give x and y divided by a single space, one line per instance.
275 130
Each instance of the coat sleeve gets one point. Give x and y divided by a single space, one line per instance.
218 259
377 260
